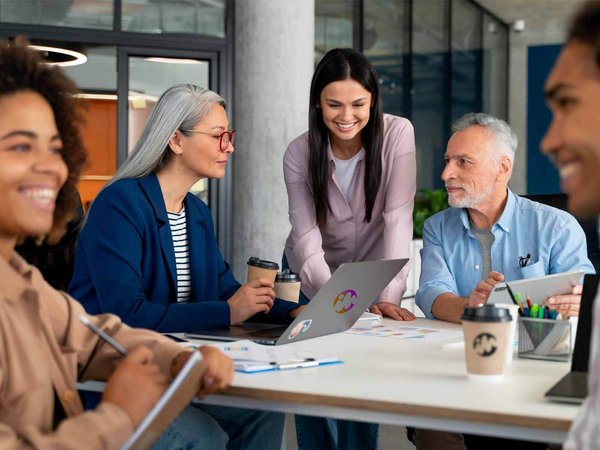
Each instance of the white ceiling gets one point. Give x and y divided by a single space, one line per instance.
543 17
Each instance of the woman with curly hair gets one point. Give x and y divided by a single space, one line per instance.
44 350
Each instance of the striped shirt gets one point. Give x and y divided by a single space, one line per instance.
182 256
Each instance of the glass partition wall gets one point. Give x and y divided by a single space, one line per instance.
135 49
436 61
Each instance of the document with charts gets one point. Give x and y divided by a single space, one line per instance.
178 395
410 332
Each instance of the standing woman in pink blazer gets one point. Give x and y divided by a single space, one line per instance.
351 181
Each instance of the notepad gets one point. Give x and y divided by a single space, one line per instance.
176 397
250 357
369 317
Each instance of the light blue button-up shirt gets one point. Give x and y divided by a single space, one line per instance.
452 261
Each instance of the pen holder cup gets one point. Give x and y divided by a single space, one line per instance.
544 339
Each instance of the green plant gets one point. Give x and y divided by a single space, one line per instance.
427 203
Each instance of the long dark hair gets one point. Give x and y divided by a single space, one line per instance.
342 64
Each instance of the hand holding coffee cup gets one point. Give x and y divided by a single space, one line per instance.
261 268
486 330
252 298
257 295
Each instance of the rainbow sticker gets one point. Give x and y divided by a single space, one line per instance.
342 303
301 327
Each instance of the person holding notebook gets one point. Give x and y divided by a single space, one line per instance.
572 142
44 349
351 182
147 250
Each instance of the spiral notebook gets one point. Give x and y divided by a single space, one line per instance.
177 396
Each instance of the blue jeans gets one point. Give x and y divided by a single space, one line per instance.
210 427
326 433
316 433
192 430
248 429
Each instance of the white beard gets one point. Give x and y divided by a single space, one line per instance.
471 199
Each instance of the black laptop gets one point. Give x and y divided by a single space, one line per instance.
572 388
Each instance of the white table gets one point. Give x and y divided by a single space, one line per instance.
410 383
397 382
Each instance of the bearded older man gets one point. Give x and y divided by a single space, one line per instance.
491 234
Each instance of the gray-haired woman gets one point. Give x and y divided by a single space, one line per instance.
148 253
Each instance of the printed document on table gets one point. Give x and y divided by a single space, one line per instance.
369 317
409 332
249 356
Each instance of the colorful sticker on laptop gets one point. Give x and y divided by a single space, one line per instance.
301 327
342 303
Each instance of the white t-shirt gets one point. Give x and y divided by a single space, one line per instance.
344 171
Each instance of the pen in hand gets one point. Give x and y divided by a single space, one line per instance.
105 337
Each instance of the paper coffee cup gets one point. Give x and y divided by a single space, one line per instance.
260 268
512 333
486 330
287 286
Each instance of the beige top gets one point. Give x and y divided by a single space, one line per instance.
44 348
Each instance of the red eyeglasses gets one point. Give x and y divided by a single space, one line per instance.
225 137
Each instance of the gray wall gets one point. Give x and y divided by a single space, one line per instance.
274 54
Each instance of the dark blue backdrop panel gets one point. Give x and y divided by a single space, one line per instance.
542 177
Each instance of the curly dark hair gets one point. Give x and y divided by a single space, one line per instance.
23 69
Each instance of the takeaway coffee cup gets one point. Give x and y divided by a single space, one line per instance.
287 286
260 268
486 330
512 333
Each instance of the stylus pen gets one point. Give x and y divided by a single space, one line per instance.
105 337
512 297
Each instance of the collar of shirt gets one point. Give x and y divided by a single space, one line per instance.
330 157
16 276
505 219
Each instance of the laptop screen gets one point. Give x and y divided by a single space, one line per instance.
581 353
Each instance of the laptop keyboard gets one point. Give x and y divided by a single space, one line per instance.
269 333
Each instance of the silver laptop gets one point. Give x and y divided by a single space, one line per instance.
572 388
336 307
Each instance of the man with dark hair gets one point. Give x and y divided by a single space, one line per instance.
572 142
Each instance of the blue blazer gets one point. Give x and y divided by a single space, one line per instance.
125 263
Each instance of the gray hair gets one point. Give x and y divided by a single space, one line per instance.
180 107
505 137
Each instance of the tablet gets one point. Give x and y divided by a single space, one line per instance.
539 289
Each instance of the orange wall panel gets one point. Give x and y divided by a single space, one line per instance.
100 138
